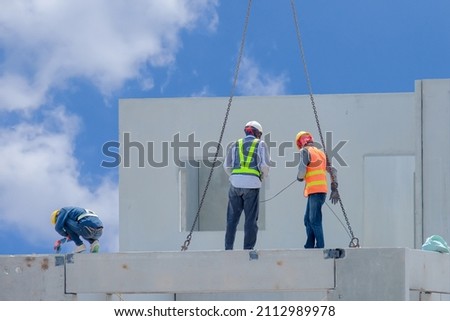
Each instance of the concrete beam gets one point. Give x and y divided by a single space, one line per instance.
298 274
200 272
33 277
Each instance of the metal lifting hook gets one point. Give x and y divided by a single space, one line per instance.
354 242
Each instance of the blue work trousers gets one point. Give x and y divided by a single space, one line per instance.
83 228
247 200
313 221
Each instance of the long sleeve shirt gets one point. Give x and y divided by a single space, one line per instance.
248 181
66 213
304 162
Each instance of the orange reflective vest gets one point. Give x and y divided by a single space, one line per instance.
316 172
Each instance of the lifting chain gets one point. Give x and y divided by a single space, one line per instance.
354 242
187 242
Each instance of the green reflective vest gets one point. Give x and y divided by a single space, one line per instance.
245 161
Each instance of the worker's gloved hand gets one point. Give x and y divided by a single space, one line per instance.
57 246
59 243
334 195
299 179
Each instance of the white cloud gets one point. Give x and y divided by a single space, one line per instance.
254 82
45 43
17 93
39 174
204 92
147 84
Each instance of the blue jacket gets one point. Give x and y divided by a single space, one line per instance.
73 213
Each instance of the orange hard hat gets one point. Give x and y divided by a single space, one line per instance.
299 135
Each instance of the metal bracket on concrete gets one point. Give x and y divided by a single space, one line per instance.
59 260
69 258
253 255
334 254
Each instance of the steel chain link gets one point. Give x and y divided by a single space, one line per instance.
354 242
187 242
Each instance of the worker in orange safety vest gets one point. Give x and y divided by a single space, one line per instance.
312 170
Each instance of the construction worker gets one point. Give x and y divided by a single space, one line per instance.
76 222
312 169
247 164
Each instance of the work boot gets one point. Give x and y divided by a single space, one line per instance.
95 246
80 248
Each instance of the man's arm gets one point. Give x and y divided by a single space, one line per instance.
334 195
333 174
304 161
264 161
59 226
228 161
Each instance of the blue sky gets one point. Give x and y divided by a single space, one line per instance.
65 64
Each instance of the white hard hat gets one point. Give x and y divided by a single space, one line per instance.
255 124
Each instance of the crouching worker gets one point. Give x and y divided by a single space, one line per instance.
76 222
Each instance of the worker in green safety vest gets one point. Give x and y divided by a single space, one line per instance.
247 163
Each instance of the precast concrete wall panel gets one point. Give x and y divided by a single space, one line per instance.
434 106
153 215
